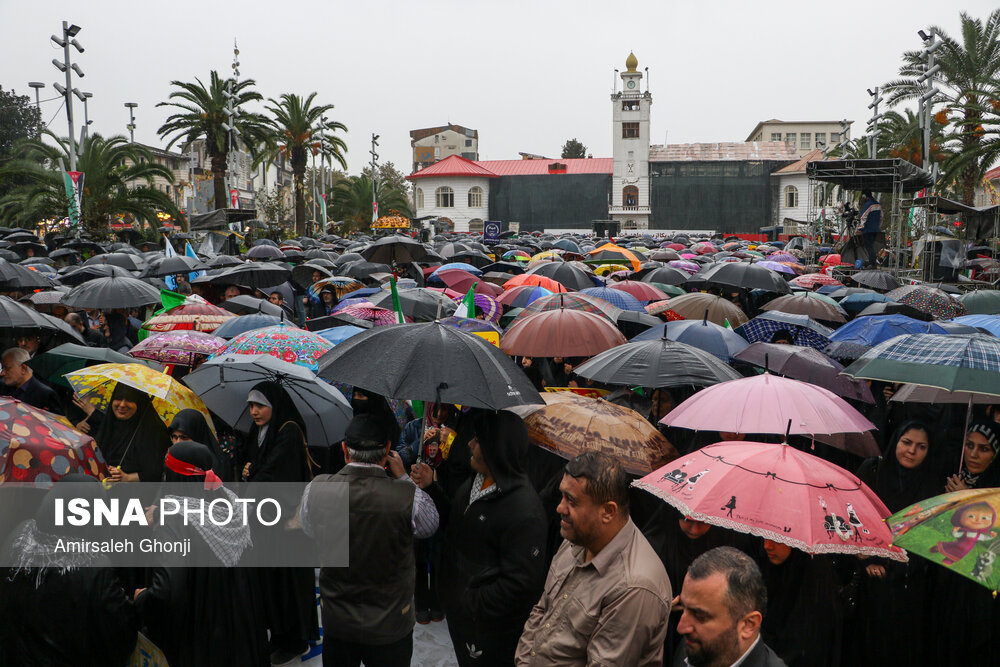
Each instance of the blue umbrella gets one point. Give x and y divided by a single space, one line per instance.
237 325
568 245
338 335
858 302
805 330
457 265
708 336
615 297
989 322
859 335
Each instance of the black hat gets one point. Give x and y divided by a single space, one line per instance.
364 430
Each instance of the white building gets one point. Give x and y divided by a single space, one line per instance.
798 199
456 191
629 203
802 135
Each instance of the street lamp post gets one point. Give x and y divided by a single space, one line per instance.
131 106
69 33
374 167
322 165
37 85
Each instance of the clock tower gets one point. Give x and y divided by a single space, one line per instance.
629 203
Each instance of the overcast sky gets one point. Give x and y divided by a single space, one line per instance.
528 74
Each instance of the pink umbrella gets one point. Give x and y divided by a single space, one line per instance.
461 281
778 493
640 290
675 246
684 265
688 255
766 404
374 314
782 257
811 280
180 347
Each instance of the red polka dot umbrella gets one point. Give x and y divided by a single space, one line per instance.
39 447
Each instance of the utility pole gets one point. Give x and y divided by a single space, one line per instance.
926 101
131 106
69 33
374 172
232 113
873 129
322 166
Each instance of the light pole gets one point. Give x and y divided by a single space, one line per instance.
37 85
374 188
926 101
69 33
232 113
873 129
322 166
131 106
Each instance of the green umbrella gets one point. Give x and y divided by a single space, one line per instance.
69 357
982 302
669 290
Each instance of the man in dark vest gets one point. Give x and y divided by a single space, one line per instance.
368 606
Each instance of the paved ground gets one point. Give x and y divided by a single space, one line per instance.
431 648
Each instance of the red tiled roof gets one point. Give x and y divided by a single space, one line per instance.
815 155
454 165
600 165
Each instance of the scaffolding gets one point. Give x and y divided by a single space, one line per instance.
894 177
938 250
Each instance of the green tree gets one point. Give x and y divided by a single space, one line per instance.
902 137
969 80
201 116
118 176
352 201
388 177
573 149
19 120
294 131
270 204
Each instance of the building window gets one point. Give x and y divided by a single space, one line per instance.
791 196
776 136
821 140
630 196
630 130
805 140
444 197
630 105
819 196
475 197
420 198
792 139
835 137
468 142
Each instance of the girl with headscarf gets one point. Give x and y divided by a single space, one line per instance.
131 436
194 614
190 425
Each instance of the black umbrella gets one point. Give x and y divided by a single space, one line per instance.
9 255
395 249
879 280
430 362
112 292
224 261
570 277
264 252
68 253
122 260
302 274
253 274
743 275
20 318
451 249
179 264
347 258
420 304
224 382
473 257
656 363
890 308
77 275
235 326
632 323
247 305
666 275
362 270
14 276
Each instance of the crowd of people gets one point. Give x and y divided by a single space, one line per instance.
456 517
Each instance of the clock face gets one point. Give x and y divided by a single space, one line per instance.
630 84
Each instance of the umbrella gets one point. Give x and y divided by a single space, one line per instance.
811 280
112 292
368 313
472 325
254 275
224 261
420 304
569 276
617 298
224 382
862 333
264 252
487 305
768 404
718 341
667 275
81 274
39 447
662 308
179 264
535 279
462 281
804 330
777 267
248 305
342 285
915 393
744 276
656 363
685 265
640 290
237 325
53 364
954 530
778 493
180 348
459 266
982 302
302 274
519 297
197 316
122 260
893 308
855 303
610 253
395 250
430 361
927 299
97 384
574 301
283 341
560 333
808 365
568 425
990 323
876 280
697 306
338 335
16 277
955 362
18 318
801 304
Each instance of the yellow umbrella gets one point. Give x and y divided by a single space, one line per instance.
548 254
97 383
605 269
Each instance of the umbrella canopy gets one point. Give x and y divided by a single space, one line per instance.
778 493
80 274
927 299
342 285
285 342
954 530
855 303
430 362
16 277
423 305
617 298
656 363
112 292
766 404
180 348
804 330
744 276
801 304
18 318
982 302
264 251
395 250
609 253
808 365
519 297
338 335
915 393
569 276
197 316
224 382
254 275
569 425
879 280
893 308
244 323
666 275
640 290
244 304
862 333
168 396
179 264
718 341
698 306
122 260
53 364
574 301
955 362
990 323
366 312
38 447
811 280
561 333
536 280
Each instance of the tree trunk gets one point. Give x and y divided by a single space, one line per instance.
300 202
219 180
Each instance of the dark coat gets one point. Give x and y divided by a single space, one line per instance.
760 656
40 395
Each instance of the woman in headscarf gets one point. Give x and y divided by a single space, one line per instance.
890 597
276 451
189 424
205 616
979 469
132 437
327 302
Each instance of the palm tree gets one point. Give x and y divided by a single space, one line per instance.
352 201
203 112
902 137
969 80
118 176
294 131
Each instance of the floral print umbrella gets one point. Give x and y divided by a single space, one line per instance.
38 447
179 348
283 341
198 316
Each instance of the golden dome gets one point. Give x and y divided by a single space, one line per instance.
631 63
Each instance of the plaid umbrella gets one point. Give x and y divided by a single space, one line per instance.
179 348
37 446
618 298
283 341
955 362
811 280
862 333
805 330
929 300
198 316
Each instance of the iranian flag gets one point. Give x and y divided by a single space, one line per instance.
468 306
